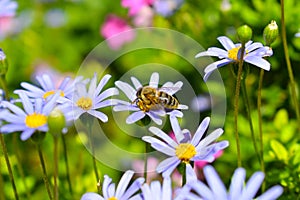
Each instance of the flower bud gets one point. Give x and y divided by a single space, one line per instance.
56 122
270 33
244 33
3 63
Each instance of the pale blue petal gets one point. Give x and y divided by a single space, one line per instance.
51 104
158 132
226 42
99 115
166 189
105 186
137 84
159 145
154 79
10 128
253 46
190 174
64 83
38 105
27 133
211 137
167 166
92 86
111 190
215 65
14 108
237 183
135 117
33 89
91 196
154 117
176 128
258 61
147 193
272 193
253 186
28 107
123 183
80 90
215 183
48 83
203 191
118 108
135 186
129 91
11 118
106 103
213 51
107 93
175 113
77 112
200 131
102 83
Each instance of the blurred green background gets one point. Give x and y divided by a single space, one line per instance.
60 34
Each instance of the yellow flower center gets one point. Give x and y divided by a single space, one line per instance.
35 120
51 92
233 53
112 198
185 152
85 103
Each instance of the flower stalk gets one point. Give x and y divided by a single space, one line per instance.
288 64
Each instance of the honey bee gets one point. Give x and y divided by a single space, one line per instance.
149 98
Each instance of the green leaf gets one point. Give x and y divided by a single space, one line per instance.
279 150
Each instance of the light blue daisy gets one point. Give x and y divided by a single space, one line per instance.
48 88
137 113
254 53
166 7
124 191
89 100
186 148
237 190
8 8
33 118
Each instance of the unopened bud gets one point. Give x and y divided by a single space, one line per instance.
270 33
56 122
3 63
244 33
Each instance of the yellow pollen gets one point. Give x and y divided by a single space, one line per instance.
35 120
85 103
185 152
51 92
112 198
233 53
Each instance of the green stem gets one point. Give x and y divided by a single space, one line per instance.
4 86
288 64
147 149
261 141
89 123
45 177
248 110
20 169
184 174
66 163
55 189
236 105
11 176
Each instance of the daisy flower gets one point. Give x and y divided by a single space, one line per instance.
137 112
48 88
237 190
88 101
32 118
186 148
155 191
167 8
254 53
123 191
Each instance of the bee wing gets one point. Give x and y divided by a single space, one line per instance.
169 90
174 87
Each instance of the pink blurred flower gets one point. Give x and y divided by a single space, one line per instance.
114 25
138 167
7 12
144 17
135 5
201 164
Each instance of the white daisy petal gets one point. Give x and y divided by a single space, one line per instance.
134 117
154 80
